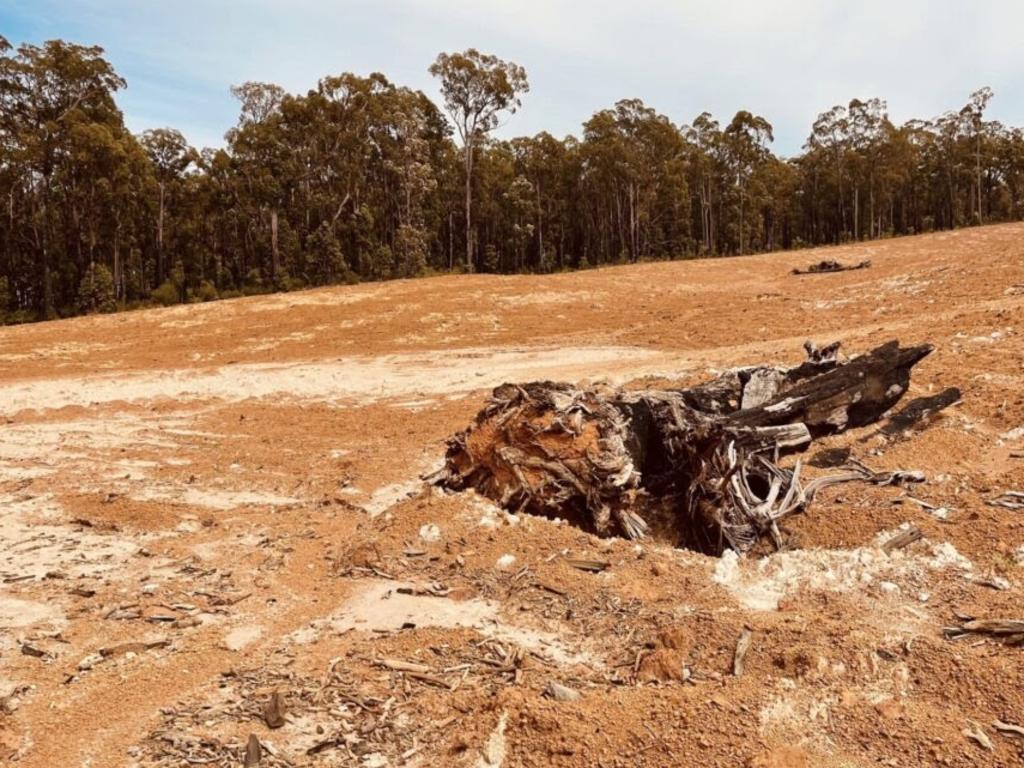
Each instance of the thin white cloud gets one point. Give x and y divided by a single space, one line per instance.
787 59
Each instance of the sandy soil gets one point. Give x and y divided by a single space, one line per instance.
204 505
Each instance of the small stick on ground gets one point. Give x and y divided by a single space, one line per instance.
742 646
1002 727
902 539
975 732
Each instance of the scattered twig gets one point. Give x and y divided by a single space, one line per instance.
1010 728
1008 500
902 539
1010 631
593 566
975 732
742 646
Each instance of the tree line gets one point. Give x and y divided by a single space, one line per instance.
362 179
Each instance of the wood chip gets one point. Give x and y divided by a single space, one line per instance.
398 665
123 648
902 539
30 650
742 646
274 710
592 566
253 752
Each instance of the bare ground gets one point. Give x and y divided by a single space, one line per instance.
202 505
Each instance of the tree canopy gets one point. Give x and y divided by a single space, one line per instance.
362 179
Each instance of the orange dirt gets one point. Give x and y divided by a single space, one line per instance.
240 479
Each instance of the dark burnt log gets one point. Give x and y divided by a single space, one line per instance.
850 395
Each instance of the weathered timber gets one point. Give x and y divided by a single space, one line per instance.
695 466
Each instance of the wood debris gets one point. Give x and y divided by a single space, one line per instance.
697 467
902 539
830 265
1010 631
739 656
592 566
1010 728
253 752
975 732
1008 500
123 648
274 710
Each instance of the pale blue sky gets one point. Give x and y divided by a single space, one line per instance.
788 59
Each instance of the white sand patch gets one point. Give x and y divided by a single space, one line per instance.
16 614
51 443
31 545
387 496
759 585
359 379
240 637
376 606
59 351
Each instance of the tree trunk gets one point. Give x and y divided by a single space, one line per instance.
48 310
469 204
160 266
856 213
275 256
741 221
540 230
977 160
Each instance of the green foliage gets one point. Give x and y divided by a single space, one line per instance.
166 294
326 260
254 283
362 179
206 291
96 291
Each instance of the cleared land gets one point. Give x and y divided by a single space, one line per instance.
203 505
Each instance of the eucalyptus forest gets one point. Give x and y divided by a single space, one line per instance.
363 179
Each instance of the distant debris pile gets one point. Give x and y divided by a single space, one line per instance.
697 467
830 265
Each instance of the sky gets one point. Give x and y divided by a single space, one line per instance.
787 60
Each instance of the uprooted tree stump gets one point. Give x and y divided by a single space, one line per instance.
697 467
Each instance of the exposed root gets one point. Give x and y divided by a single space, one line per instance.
698 467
